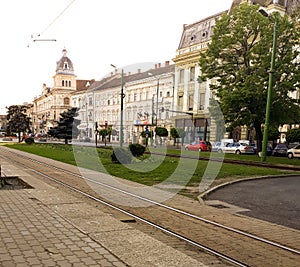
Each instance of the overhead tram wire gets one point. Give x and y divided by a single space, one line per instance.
51 23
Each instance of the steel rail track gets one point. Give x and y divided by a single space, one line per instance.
257 238
165 230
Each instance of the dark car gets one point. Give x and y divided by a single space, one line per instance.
199 146
269 150
280 150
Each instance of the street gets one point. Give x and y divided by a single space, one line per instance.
275 200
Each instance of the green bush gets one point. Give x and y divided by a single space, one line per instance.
121 155
29 140
137 149
161 131
293 135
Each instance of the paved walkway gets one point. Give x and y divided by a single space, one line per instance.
44 226
32 234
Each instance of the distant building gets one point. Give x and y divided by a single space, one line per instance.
148 99
56 99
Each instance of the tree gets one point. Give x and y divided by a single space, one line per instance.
177 133
161 131
18 121
238 60
293 135
67 126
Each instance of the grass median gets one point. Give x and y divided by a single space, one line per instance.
161 166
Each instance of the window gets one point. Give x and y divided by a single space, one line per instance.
168 94
180 101
160 94
191 102
90 101
202 101
66 101
181 76
69 83
192 73
135 97
62 83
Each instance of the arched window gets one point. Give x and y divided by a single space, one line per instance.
66 101
69 83
62 83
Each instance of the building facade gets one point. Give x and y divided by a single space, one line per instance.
191 96
56 99
147 101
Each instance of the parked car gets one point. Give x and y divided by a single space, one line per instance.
238 148
280 150
269 149
199 146
294 152
215 146
219 146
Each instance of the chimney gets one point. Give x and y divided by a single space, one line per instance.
129 73
139 71
159 65
111 74
167 63
155 66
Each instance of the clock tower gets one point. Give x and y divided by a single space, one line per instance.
64 79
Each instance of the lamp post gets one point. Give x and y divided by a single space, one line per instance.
122 105
270 88
157 91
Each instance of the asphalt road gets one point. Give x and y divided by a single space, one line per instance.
276 200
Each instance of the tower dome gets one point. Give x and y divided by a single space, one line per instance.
64 65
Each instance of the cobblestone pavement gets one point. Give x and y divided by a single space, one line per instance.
45 226
31 234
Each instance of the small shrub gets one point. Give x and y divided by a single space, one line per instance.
137 149
29 140
121 155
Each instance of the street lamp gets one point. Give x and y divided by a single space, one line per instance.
122 106
270 86
157 92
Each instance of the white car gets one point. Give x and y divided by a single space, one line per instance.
294 152
238 148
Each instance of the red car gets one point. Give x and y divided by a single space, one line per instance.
199 146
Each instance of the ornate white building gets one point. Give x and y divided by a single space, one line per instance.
191 97
148 99
54 100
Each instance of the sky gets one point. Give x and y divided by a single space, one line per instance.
96 33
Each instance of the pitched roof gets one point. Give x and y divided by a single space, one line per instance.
115 80
290 5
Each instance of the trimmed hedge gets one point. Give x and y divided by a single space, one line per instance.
137 149
121 155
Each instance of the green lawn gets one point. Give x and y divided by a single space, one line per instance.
153 169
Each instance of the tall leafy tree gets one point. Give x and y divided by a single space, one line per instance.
18 121
238 60
67 126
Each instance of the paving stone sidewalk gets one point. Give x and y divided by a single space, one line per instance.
31 234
